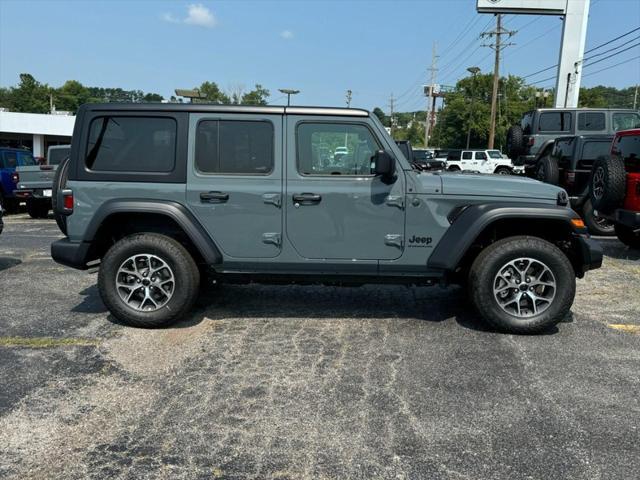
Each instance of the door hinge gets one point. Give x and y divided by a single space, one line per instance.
272 238
272 199
394 240
396 201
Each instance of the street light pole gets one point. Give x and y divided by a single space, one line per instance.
288 92
474 71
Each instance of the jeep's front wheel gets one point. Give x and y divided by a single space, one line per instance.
522 284
148 280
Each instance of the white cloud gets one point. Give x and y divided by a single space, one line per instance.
197 14
286 34
200 15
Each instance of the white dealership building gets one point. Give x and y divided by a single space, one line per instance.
35 131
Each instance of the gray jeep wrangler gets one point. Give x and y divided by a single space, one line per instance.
166 197
532 140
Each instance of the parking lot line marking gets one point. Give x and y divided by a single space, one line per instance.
625 327
45 342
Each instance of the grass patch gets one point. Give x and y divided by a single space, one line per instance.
44 342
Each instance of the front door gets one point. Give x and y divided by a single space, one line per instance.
335 208
234 184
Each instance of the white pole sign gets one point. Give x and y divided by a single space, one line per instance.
574 33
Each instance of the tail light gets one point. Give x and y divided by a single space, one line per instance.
15 177
570 177
67 201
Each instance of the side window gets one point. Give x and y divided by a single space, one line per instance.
454 155
591 121
466 155
629 148
625 121
555 122
481 156
131 144
10 159
234 147
335 149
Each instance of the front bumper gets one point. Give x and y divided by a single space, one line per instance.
628 218
71 254
525 161
589 254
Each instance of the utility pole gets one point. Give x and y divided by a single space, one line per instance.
428 120
497 46
391 100
635 97
349 92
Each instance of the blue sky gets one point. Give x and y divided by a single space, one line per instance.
323 48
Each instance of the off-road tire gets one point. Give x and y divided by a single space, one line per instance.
503 171
454 168
607 184
486 266
59 183
547 170
38 208
627 236
515 142
184 268
596 225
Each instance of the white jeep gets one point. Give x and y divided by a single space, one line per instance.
481 161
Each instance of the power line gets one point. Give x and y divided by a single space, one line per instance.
612 55
588 51
613 40
612 66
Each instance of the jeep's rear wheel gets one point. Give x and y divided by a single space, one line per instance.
38 208
515 142
522 284
596 224
59 183
547 170
148 280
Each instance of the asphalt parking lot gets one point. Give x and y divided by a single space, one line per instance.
311 382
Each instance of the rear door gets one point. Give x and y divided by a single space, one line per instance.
335 208
234 181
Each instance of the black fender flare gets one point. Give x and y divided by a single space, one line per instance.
544 148
174 210
474 219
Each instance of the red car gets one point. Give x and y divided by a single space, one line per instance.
615 186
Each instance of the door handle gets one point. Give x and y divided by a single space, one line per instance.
306 198
214 197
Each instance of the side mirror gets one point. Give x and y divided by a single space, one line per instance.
384 164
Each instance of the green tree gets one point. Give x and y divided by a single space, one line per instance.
29 96
212 94
70 96
257 96
381 116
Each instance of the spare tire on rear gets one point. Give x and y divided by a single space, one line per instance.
515 142
607 186
60 183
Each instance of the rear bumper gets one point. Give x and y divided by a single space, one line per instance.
628 218
590 254
37 193
70 254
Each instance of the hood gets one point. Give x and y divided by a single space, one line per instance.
497 186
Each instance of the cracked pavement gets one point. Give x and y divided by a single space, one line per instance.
376 382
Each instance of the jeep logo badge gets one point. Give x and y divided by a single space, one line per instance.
416 241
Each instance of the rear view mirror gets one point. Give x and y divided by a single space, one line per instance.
384 164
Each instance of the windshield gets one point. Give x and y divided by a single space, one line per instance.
420 155
495 154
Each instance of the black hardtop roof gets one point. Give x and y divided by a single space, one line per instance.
216 108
